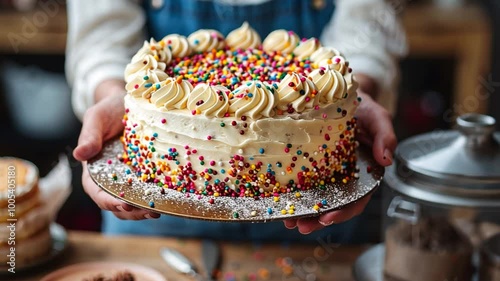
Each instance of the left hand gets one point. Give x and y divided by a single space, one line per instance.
375 129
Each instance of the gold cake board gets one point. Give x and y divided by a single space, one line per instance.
110 174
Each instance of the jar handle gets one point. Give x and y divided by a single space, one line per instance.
402 209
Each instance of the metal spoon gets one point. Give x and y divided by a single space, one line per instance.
210 256
180 263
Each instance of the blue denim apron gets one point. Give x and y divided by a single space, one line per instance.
186 16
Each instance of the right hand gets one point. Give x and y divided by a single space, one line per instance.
101 123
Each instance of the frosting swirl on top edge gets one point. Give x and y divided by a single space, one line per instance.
340 84
324 53
337 62
244 37
331 84
205 40
158 50
253 99
144 82
298 92
306 48
211 101
178 44
172 94
280 40
148 62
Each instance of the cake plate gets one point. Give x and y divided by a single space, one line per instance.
109 173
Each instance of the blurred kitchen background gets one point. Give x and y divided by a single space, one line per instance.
452 68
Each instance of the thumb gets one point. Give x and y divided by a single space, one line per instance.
91 136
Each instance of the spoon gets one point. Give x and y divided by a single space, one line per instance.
180 263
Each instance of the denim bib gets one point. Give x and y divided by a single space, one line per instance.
306 17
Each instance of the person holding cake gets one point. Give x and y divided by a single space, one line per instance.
103 37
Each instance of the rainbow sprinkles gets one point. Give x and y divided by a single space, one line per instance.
234 116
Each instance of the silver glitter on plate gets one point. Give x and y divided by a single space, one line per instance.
110 175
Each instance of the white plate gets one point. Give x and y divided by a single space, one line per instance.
88 270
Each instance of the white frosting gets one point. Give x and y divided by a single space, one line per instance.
324 53
271 135
205 40
178 44
158 50
148 62
306 48
281 40
297 91
337 62
172 94
298 132
209 100
253 99
244 37
144 82
331 84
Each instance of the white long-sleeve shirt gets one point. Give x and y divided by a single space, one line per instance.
103 36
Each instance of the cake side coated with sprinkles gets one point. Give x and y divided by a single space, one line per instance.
240 122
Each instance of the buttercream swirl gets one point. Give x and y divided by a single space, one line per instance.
148 62
331 84
306 48
205 40
337 62
144 82
253 99
244 37
211 101
178 44
324 53
352 84
172 94
298 92
280 40
158 50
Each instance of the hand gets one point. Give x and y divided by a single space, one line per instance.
375 130
101 123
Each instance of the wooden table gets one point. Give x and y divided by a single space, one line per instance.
244 261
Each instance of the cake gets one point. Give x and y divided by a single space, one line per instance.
237 116
24 223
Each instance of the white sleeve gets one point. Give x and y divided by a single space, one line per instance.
102 37
370 35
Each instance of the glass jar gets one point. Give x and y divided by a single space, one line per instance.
442 199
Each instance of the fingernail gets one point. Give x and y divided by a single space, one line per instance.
149 216
120 208
388 155
326 223
307 232
127 208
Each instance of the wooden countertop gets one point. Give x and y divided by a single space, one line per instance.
244 261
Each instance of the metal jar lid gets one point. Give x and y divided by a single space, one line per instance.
455 167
